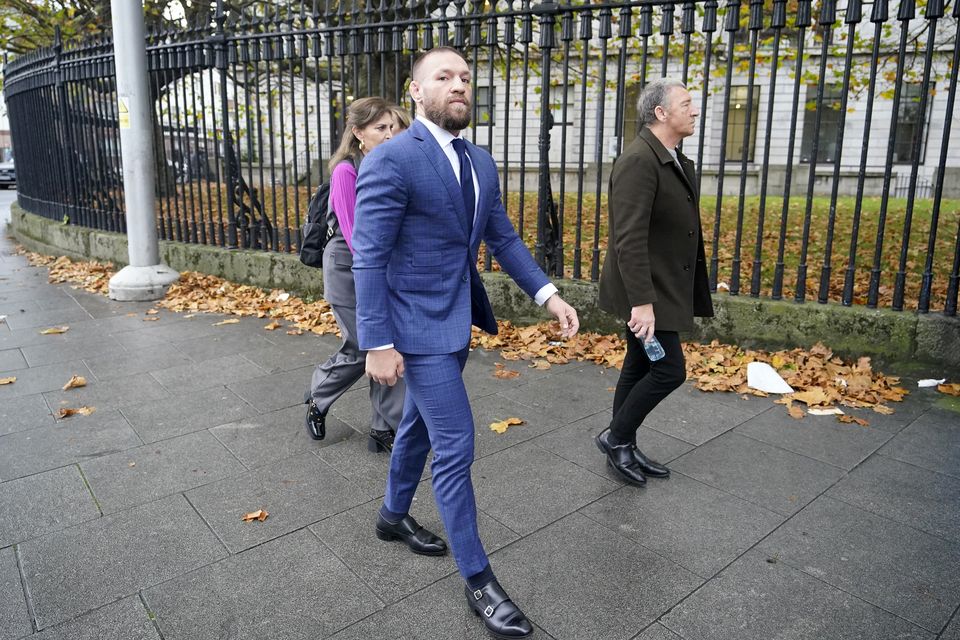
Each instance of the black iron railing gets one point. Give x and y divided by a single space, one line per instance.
824 140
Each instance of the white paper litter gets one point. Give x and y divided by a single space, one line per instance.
832 411
762 376
3 318
930 382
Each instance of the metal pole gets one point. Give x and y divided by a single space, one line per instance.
145 278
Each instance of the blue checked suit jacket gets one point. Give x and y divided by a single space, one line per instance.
414 264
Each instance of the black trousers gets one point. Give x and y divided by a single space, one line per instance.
642 384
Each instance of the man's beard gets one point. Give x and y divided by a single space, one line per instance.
445 120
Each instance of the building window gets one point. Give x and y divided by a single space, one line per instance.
485 101
556 104
910 124
830 117
737 120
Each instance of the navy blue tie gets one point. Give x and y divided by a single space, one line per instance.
466 181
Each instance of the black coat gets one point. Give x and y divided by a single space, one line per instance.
655 250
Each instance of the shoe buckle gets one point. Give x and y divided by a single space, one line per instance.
477 594
488 611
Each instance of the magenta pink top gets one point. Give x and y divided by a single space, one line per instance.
343 198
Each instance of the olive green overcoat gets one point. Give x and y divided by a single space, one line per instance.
655 249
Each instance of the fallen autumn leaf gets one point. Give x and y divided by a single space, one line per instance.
9 380
503 425
74 382
54 331
259 515
67 412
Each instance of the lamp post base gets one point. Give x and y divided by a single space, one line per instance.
139 284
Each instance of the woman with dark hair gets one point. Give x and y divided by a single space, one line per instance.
370 121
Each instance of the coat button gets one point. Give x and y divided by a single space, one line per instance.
464 278
686 267
689 234
689 199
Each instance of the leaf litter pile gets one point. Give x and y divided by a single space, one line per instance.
821 380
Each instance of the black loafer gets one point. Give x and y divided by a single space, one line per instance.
502 618
380 441
410 533
621 459
649 467
316 422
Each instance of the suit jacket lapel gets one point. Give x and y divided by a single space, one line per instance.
483 204
433 153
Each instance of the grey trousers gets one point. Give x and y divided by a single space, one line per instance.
332 378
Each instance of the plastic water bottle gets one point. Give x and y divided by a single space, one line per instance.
654 349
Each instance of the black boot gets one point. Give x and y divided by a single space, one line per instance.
380 441
502 618
649 467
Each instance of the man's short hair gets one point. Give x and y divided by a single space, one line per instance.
655 94
423 56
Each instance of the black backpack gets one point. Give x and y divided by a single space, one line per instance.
320 226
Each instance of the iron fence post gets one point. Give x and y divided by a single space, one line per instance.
546 245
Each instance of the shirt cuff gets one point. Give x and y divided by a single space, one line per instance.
383 348
545 292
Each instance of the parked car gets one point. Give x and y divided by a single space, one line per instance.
8 174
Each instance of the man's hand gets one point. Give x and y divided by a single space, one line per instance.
567 315
642 321
385 366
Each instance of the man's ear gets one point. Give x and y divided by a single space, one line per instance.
415 90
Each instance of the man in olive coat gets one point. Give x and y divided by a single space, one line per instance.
654 276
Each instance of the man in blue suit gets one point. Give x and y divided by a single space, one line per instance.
424 202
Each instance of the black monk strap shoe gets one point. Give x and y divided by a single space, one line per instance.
380 441
649 467
621 459
411 534
316 422
500 616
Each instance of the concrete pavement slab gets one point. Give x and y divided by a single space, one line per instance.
95 563
39 379
293 352
42 354
47 318
700 528
754 599
657 632
286 589
932 441
365 469
218 372
527 488
209 348
110 394
696 418
68 441
296 492
439 612
122 620
25 412
758 472
144 474
580 580
122 364
568 395
270 437
904 493
389 568
14 616
819 437
11 360
495 408
865 555
952 632
175 416
275 391
45 502
575 442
